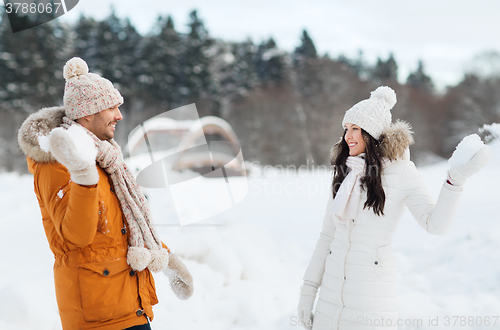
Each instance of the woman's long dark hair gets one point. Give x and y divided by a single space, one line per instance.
371 181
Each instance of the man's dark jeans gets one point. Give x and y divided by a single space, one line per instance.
140 327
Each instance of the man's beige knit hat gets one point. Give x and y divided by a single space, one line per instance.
86 93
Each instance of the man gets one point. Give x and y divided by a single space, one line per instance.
96 219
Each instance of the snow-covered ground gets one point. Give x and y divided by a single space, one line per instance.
248 262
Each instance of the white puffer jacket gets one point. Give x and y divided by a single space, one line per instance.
353 262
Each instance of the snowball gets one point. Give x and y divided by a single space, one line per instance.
60 194
465 150
385 93
43 142
84 145
75 67
74 146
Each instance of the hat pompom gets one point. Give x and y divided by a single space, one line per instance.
75 67
385 93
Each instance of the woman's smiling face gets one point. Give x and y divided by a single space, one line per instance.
354 139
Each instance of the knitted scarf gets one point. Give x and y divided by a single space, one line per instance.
145 247
346 201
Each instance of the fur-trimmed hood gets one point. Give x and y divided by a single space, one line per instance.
394 142
37 124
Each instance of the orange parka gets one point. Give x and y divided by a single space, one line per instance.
86 231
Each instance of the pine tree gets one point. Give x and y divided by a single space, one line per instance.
110 49
8 64
117 44
53 50
270 63
85 42
419 79
159 66
234 68
392 68
305 76
29 63
195 76
385 71
244 71
358 65
306 50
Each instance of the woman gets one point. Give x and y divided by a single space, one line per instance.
373 181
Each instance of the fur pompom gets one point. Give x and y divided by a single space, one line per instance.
159 260
75 67
385 93
138 258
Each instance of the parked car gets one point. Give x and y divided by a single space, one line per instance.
200 146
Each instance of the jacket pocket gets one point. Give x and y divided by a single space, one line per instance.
152 289
375 263
106 290
383 259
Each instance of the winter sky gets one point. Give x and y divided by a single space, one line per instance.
446 34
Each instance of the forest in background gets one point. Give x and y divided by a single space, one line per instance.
285 107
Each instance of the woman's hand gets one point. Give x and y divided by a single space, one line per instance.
304 309
470 156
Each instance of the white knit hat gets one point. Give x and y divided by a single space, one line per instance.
374 114
86 93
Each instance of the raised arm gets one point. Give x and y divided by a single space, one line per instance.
71 197
437 217
469 157
73 208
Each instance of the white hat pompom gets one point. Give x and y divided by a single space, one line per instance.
75 67
385 93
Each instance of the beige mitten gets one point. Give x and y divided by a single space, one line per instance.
181 280
74 149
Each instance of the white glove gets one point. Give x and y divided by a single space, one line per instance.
304 309
470 156
76 150
181 280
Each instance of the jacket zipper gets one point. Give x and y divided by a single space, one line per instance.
343 281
